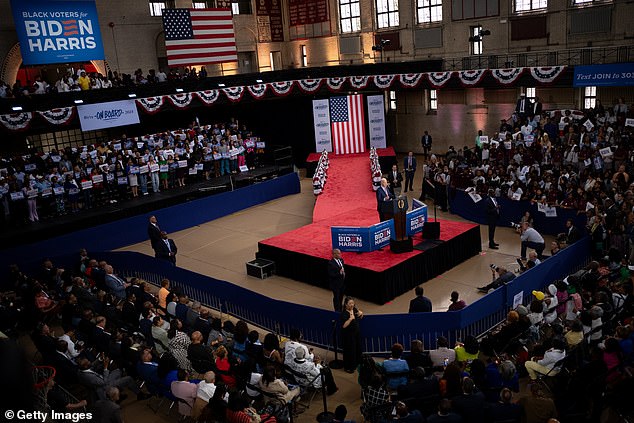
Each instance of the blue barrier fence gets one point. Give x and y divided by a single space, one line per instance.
379 331
128 231
512 211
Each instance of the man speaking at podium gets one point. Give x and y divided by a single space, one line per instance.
383 197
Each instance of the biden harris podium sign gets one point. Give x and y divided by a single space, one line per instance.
57 31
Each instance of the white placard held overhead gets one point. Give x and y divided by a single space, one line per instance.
606 152
517 299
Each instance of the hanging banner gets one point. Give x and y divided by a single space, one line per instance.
350 238
269 21
107 115
615 75
321 116
57 31
376 120
305 12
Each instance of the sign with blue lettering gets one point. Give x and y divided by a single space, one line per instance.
381 233
615 75
415 220
107 115
350 238
57 31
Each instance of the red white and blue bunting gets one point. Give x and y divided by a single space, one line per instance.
234 93
281 88
58 116
471 77
151 105
208 97
257 91
359 82
507 76
384 82
310 85
181 100
410 80
438 79
546 75
335 84
16 121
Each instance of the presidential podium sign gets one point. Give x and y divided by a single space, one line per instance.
416 218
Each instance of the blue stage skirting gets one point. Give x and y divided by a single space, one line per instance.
132 230
379 331
512 211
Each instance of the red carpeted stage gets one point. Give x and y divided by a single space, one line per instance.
378 276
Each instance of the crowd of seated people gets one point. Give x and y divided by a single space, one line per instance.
39 185
581 161
82 80
100 331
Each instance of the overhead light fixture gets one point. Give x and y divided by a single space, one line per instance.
221 85
16 108
478 38
78 101
259 81
179 90
132 95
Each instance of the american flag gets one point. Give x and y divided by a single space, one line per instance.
199 36
348 124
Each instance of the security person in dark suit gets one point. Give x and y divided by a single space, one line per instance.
409 164
394 178
154 232
337 279
493 214
573 234
166 249
426 143
420 304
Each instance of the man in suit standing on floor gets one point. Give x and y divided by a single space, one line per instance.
166 249
420 304
337 279
383 196
426 143
493 214
395 178
154 233
409 164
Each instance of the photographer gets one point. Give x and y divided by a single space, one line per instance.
531 239
500 277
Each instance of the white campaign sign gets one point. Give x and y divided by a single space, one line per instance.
107 115
323 135
376 121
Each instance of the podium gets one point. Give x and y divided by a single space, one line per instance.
401 243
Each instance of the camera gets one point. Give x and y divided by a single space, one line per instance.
515 226
494 267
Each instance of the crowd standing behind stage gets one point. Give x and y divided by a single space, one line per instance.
82 80
569 159
39 185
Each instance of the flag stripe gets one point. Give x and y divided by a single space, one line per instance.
199 36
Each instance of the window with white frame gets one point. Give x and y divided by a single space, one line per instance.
578 2
387 13
349 16
433 100
476 44
156 8
589 97
429 11
201 5
530 93
304 56
530 5
392 98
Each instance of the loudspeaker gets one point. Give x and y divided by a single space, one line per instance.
431 230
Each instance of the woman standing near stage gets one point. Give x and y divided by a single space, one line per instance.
351 335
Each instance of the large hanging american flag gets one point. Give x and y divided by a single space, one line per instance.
199 36
348 124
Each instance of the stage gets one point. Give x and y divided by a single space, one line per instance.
378 276
387 157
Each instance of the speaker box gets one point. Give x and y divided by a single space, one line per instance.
431 230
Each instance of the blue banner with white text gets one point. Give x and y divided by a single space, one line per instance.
614 75
381 233
415 220
57 31
350 238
